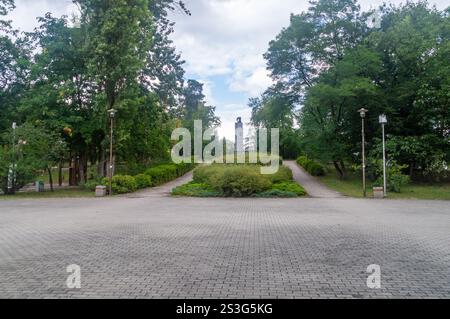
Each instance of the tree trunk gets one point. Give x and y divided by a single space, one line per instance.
338 169
102 163
344 169
60 176
50 178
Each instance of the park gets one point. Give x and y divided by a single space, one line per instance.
132 155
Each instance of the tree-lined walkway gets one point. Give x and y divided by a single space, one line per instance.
312 186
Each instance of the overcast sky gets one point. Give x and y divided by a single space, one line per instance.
222 42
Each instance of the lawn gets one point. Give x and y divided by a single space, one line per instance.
352 187
233 180
63 193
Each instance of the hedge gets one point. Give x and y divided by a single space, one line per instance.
122 184
312 167
167 172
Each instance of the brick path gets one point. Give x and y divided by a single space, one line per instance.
162 247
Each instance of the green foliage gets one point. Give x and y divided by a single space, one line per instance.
283 174
162 173
394 174
239 181
329 61
245 180
312 167
34 150
143 181
166 172
65 75
122 184
196 190
91 185
302 161
291 187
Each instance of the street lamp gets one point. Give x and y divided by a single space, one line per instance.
13 171
362 112
383 121
112 115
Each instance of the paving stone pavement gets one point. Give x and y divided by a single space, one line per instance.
162 247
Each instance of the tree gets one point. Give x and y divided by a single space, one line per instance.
34 150
195 107
164 73
313 42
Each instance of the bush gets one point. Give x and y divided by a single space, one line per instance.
122 184
92 184
162 174
231 180
143 181
240 181
302 161
196 190
316 169
395 178
290 187
312 167
276 193
284 174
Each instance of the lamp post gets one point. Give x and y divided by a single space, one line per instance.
112 115
383 122
12 176
362 112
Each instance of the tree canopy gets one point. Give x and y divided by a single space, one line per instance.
62 79
331 61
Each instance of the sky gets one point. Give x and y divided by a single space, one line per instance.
222 42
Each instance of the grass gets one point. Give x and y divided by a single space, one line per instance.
352 186
63 193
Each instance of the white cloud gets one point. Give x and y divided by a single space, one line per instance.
229 37
25 15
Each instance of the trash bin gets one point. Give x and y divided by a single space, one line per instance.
39 186
100 191
378 192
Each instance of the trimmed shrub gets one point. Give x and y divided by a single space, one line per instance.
284 174
162 173
143 181
92 184
302 161
196 190
240 181
290 187
122 184
312 167
316 169
276 193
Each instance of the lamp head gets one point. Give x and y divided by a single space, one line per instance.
363 112
112 113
